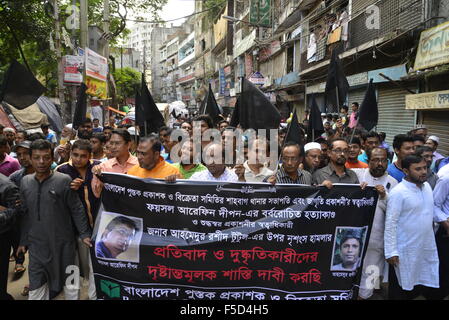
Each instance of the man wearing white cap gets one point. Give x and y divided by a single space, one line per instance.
323 118
433 142
312 151
10 135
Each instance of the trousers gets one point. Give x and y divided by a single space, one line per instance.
85 264
43 293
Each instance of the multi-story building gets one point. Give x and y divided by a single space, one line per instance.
158 37
126 57
186 69
290 53
140 40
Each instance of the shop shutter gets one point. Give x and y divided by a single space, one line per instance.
437 123
393 117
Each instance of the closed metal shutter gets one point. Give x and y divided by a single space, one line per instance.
437 123
356 95
393 117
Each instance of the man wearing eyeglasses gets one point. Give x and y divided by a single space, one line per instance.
375 175
335 171
116 237
289 173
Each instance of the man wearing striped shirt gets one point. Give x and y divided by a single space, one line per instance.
289 172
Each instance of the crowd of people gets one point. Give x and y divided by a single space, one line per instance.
51 191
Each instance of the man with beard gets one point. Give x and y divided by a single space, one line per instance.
427 153
376 175
410 246
335 171
324 158
312 157
85 130
151 164
107 131
10 135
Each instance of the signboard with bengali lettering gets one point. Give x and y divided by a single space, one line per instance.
427 101
433 48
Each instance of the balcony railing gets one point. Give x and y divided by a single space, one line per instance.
394 16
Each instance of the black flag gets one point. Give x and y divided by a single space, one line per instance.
336 83
254 111
81 107
209 106
316 127
20 88
294 132
153 117
369 114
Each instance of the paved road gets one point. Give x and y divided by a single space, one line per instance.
15 287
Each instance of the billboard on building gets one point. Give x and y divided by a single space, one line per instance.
260 13
433 49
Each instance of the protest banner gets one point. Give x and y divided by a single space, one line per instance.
229 241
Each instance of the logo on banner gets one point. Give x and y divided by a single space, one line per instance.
111 289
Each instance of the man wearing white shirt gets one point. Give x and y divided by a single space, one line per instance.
444 171
410 246
216 167
255 168
375 175
441 200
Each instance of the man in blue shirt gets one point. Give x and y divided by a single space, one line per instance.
371 140
50 136
403 146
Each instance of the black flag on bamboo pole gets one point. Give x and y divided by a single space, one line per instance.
294 131
210 106
254 110
153 117
337 85
369 113
316 127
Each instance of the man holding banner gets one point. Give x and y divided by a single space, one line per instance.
376 175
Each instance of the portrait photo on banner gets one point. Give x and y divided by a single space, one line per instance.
118 237
348 247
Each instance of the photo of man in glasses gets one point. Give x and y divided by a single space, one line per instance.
116 237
